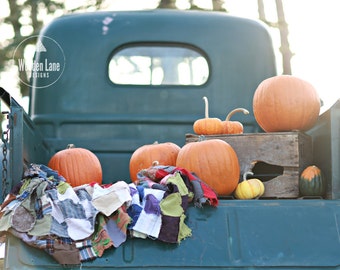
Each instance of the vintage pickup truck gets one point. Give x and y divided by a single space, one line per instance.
113 81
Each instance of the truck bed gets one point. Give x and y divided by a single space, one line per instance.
266 233
254 234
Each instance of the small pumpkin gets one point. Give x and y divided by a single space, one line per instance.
312 182
207 125
214 161
233 127
249 189
77 165
286 103
146 155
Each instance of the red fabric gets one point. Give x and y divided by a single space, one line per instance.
157 173
209 194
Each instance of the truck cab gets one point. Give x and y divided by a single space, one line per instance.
114 81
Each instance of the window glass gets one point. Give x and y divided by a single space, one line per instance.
158 65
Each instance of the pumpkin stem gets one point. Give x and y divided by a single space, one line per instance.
206 107
71 145
246 174
155 163
235 111
155 142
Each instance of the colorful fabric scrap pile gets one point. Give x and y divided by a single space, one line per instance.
77 224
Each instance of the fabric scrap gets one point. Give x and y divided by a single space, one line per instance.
147 219
77 224
65 254
22 220
107 200
86 252
73 213
174 229
203 194
100 238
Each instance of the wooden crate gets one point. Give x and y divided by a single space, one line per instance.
289 151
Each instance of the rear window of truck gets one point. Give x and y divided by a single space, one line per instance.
158 65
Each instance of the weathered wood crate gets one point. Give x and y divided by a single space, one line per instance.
289 151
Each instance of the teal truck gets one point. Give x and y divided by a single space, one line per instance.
111 82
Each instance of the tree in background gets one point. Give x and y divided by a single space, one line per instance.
26 18
282 25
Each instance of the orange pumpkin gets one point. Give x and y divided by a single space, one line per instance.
213 161
207 125
77 165
145 156
286 103
233 127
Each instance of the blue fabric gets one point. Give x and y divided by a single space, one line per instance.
152 205
134 212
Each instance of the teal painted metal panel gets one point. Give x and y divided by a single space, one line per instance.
326 145
85 108
253 234
25 143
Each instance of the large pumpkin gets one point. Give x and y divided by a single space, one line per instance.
145 156
77 165
213 161
312 182
286 103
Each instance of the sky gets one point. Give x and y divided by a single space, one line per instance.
312 36
313 29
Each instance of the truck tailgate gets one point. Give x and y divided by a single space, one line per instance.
271 234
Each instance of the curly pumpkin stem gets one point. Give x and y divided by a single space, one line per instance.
246 174
71 145
206 103
235 111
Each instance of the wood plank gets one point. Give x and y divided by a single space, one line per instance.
290 150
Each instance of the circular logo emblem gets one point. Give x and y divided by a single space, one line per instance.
48 63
